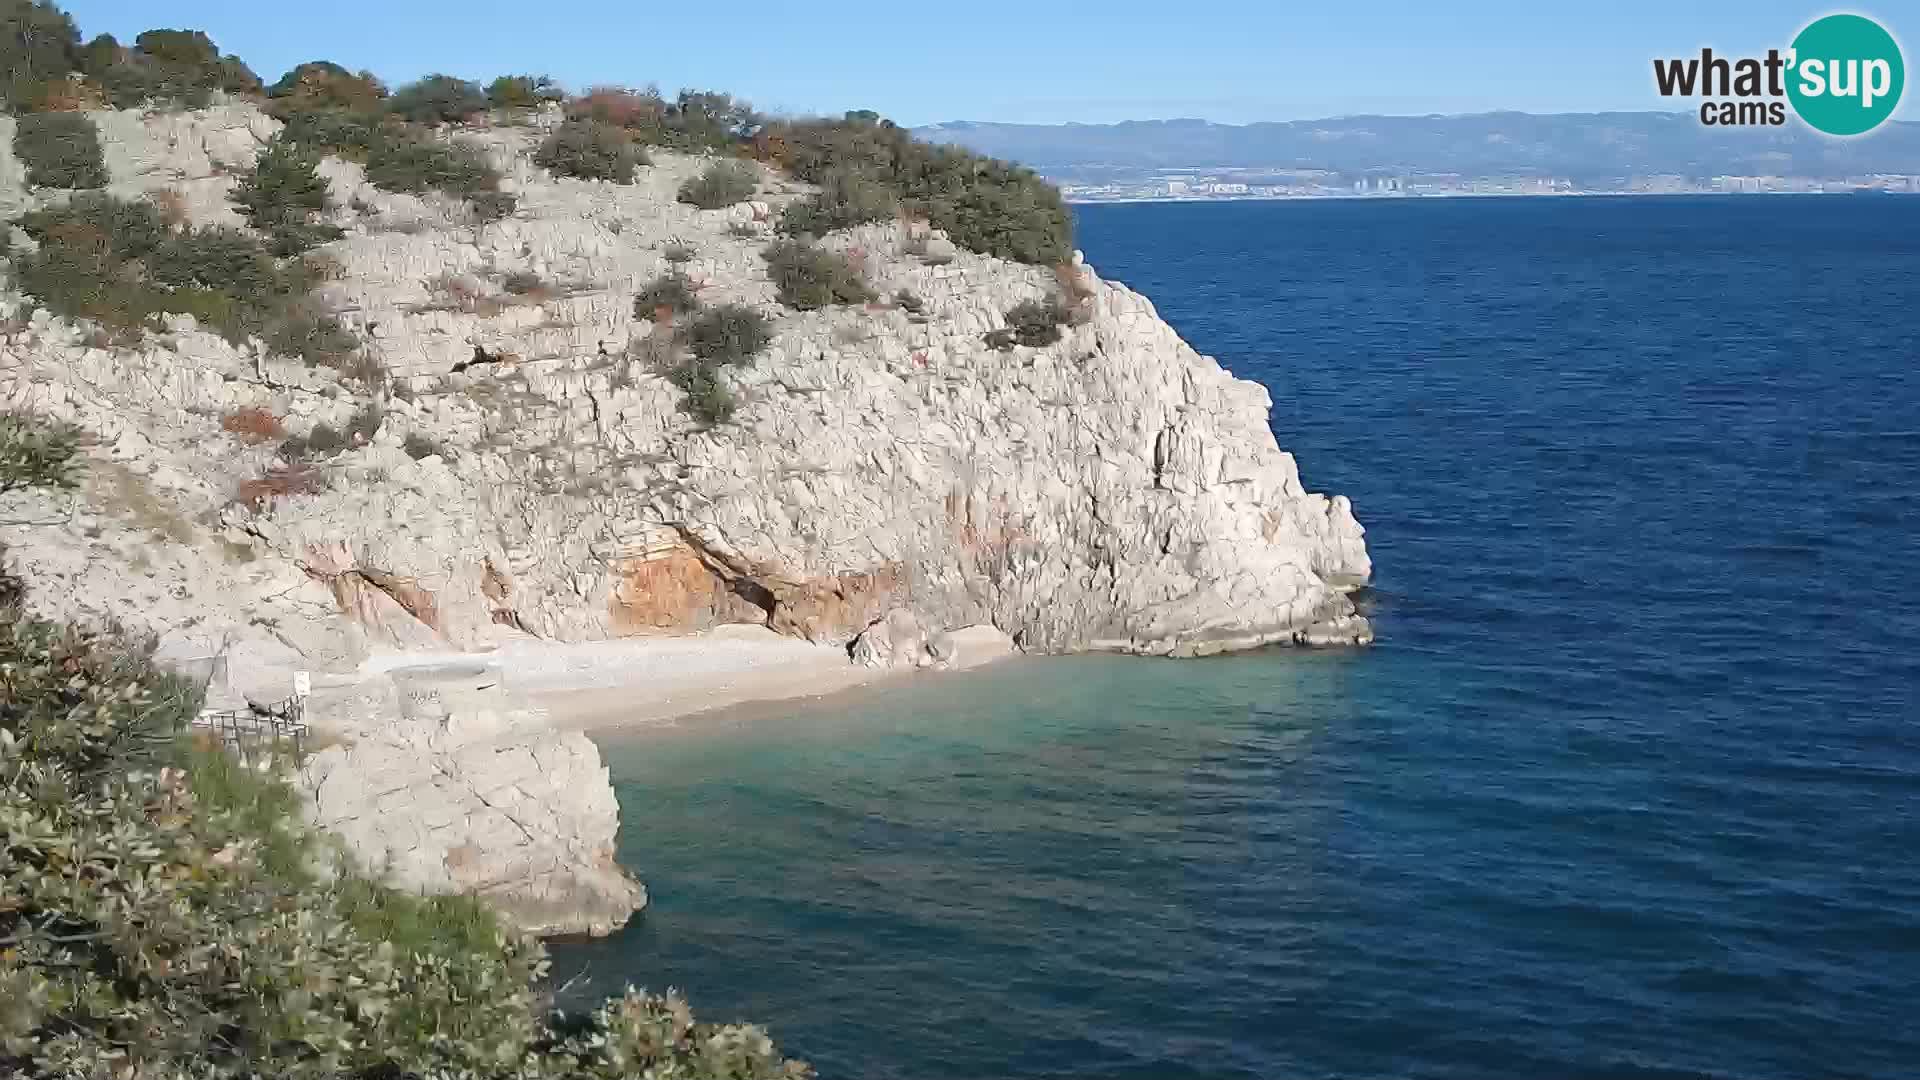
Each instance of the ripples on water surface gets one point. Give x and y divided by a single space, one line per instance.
1629 788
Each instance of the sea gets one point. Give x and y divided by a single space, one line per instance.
1629 786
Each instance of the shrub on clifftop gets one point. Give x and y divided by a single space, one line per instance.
590 150
322 84
523 92
404 161
983 203
845 200
809 278
723 184
181 68
438 99
60 149
37 43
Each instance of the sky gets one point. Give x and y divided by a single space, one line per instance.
1231 61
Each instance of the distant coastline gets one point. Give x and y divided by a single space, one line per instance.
1075 200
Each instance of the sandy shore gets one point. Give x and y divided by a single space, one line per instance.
641 681
636 682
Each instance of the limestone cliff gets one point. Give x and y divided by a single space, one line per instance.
1116 490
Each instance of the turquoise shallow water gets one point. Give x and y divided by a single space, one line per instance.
1629 788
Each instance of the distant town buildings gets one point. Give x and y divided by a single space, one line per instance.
1226 184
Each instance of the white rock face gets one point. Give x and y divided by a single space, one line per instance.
449 784
1116 490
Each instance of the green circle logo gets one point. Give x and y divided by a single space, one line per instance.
1846 74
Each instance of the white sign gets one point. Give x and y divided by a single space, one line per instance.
302 684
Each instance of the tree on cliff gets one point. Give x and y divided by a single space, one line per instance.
37 43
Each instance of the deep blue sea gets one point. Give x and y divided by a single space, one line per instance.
1630 786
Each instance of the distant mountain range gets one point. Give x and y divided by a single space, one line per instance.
1584 147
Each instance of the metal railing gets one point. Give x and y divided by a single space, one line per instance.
262 729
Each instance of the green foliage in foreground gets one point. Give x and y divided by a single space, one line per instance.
160 917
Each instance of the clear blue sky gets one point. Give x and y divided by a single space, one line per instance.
1229 60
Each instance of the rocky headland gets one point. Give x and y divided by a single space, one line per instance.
897 481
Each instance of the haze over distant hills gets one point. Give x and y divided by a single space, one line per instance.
1590 149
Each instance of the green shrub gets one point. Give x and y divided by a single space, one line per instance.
671 291
315 337
728 334
697 121
708 399
845 200
908 301
403 161
78 708
325 439
1030 322
257 803
284 194
642 112
705 120
493 205
86 266
523 92
320 85
418 446
721 185
438 99
982 203
722 336
523 283
590 150
60 149
220 258
676 254
348 133
179 67
37 45
36 453
808 278
116 262
134 229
